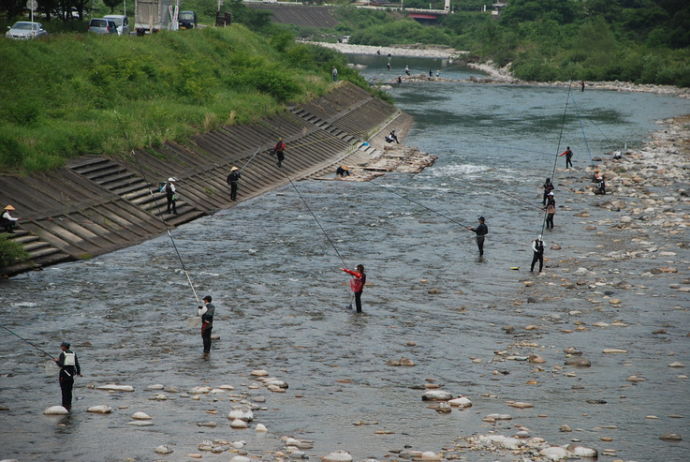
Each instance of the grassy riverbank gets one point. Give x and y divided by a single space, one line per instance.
74 94
645 42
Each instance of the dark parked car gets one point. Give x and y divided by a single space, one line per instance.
102 26
187 20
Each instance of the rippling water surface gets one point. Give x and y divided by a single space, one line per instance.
281 302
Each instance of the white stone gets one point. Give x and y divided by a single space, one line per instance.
499 441
259 373
226 387
493 417
162 449
238 444
140 423
237 423
139 415
460 402
156 386
199 390
100 409
261 428
582 451
240 459
430 455
436 395
113 387
581 271
555 453
56 410
277 383
337 456
242 413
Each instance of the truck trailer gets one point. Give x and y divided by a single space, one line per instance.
154 15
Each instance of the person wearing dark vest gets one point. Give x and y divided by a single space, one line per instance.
481 230
538 249
171 195
232 180
568 157
69 367
342 171
550 210
206 312
548 187
279 151
359 279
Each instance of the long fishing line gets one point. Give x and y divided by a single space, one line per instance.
27 341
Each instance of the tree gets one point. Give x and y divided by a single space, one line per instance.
112 4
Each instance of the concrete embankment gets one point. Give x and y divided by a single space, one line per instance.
97 204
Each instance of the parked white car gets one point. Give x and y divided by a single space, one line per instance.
25 30
121 21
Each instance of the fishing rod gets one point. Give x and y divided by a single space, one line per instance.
582 128
429 209
158 206
27 341
515 198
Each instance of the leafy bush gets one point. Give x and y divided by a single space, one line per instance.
11 252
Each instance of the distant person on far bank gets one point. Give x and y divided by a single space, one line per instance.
232 180
391 137
407 70
582 86
7 221
279 150
334 74
568 153
342 170
481 230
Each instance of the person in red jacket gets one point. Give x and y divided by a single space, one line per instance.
279 151
357 284
568 157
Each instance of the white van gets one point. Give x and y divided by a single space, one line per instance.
121 21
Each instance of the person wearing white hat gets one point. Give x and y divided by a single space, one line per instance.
170 195
538 249
8 221
232 180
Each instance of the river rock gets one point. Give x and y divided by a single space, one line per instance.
238 424
242 413
155 386
261 428
578 362
200 390
614 351
163 449
565 428
140 423
499 442
100 409
226 387
436 395
276 383
520 405
337 456
555 453
572 351
55 410
495 417
635 379
582 451
460 402
676 364
240 459
113 387
430 455
259 373
670 437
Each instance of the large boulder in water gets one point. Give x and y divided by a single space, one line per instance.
242 413
337 456
113 387
436 395
56 410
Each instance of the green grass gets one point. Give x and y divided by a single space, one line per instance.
74 94
10 251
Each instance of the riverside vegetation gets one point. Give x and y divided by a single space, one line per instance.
75 94
641 41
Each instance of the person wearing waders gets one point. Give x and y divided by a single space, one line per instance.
357 284
206 312
232 180
279 151
538 249
69 367
170 195
548 187
481 230
550 210
568 157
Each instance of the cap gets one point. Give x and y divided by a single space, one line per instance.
9 207
539 237
207 298
172 179
481 218
64 344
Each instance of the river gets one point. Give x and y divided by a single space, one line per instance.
281 303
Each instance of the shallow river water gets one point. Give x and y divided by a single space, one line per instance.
281 304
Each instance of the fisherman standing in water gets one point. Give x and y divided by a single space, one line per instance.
550 210
206 312
357 284
481 230
548 187
69 367
568 157
538 249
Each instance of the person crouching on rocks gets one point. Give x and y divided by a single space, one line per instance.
357 284
342 171
7 221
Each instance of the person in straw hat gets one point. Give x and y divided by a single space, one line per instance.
232 180
8 222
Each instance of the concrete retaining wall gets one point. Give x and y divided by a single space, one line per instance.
97 204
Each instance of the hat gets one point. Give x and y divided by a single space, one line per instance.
172 179
9 207
64 344
539 237
482 218
550 194
234 168
207 298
